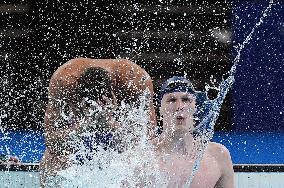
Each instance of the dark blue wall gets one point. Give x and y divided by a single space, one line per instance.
258 93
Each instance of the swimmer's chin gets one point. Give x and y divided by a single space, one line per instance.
180 132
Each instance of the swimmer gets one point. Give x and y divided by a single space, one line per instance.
178 109
9 161
73 88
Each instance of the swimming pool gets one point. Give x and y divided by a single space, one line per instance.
258 158
29 178
245 147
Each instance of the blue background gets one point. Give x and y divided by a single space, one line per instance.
258 93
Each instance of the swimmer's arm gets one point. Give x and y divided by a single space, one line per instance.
153 120
57 132
227 178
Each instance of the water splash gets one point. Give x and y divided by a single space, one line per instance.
132 161
128 159
206 126
4 135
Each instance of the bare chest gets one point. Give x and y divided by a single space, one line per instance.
207 175
179 171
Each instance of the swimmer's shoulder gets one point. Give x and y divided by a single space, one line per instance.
128 70
77 65
68 73
70 67
222 156
219 151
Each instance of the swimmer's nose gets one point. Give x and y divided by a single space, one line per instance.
180 105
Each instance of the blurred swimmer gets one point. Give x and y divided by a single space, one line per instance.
9 161
178 107
87 90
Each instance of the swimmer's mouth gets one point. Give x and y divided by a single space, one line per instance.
180 118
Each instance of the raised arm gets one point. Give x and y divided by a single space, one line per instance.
58 122
152 115
132 82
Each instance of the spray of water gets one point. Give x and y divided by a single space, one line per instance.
127 159
131 160
206 126
4 135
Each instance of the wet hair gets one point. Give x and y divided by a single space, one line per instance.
175 84
94 83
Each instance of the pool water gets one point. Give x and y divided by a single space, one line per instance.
245 147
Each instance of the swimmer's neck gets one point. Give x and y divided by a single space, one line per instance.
180 143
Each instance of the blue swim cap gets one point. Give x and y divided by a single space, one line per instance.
176 84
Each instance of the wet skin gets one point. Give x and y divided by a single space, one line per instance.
177 110
129 81
175 147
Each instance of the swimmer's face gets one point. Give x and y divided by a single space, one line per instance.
177 110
